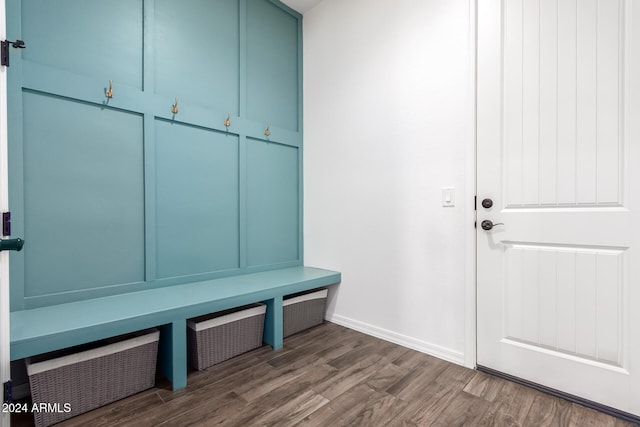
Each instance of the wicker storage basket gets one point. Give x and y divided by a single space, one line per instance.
64 385
219 336
303 311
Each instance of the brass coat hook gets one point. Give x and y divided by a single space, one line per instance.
267 132
227 122
109 92
174 107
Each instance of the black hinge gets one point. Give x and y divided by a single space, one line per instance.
4 50
475 203
6 224
8 392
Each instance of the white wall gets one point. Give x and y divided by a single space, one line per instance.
388 104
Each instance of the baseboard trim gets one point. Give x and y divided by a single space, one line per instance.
403 340
626 416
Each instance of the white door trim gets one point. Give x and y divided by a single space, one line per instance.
5 363
470 281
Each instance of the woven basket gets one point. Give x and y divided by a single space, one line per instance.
303 311
67 385
217 337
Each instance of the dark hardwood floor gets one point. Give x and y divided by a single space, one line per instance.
334 376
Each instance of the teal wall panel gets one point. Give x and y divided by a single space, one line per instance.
97 38
272 65
83 196
272 203
199 60
196 200
115 195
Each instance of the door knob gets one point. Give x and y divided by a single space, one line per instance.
488 225
11 244
487 203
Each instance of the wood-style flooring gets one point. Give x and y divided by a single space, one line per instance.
334 376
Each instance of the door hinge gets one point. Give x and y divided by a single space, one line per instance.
8 392
9 244
475 203
6 224
4 50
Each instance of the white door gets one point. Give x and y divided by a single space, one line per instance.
559 155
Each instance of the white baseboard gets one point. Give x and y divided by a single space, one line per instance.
435 350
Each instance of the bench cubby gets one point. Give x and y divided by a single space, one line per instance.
44 329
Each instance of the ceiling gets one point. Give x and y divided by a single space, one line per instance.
301 6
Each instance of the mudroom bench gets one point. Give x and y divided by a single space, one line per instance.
44 329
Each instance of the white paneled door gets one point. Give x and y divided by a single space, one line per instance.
558 155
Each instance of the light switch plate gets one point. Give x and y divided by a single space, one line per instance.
448 197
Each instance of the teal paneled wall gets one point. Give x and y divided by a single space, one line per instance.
272 200
198 62
272 65
95 38
120 194
197 200
83 196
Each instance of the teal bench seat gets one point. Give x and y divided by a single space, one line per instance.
44 329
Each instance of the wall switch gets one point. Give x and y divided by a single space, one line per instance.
448 197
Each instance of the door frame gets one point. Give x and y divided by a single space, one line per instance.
5 364
470 161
